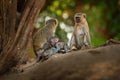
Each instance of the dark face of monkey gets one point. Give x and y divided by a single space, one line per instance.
79 16
77 19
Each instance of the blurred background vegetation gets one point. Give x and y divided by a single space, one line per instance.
103 17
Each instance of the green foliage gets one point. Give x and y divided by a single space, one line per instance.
62 34
97 40
117 37
102 16
61 11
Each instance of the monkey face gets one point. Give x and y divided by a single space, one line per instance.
79 17
53 40
52 21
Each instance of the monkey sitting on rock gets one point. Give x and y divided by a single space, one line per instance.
81 35
43 35
52 47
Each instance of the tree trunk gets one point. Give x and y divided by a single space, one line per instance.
14 45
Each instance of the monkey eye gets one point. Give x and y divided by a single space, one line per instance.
77 17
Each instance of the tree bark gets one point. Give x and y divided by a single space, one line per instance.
13 45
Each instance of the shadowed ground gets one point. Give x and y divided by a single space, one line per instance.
101 63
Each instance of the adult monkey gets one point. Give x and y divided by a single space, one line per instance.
81 35
43 35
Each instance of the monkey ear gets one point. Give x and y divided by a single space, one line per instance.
56 22
84 15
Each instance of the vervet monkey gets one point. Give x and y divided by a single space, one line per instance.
48 45
61 46
43 35
81 35
52 47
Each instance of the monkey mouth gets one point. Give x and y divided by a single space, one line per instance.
77 19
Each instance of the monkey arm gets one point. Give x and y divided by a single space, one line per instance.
87 37
58 46
46 46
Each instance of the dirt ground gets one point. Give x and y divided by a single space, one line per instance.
98 63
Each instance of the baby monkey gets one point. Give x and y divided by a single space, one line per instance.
61 46
49 44
81 35
52 47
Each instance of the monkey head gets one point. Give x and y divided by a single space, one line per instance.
54 21
53 40
79 17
